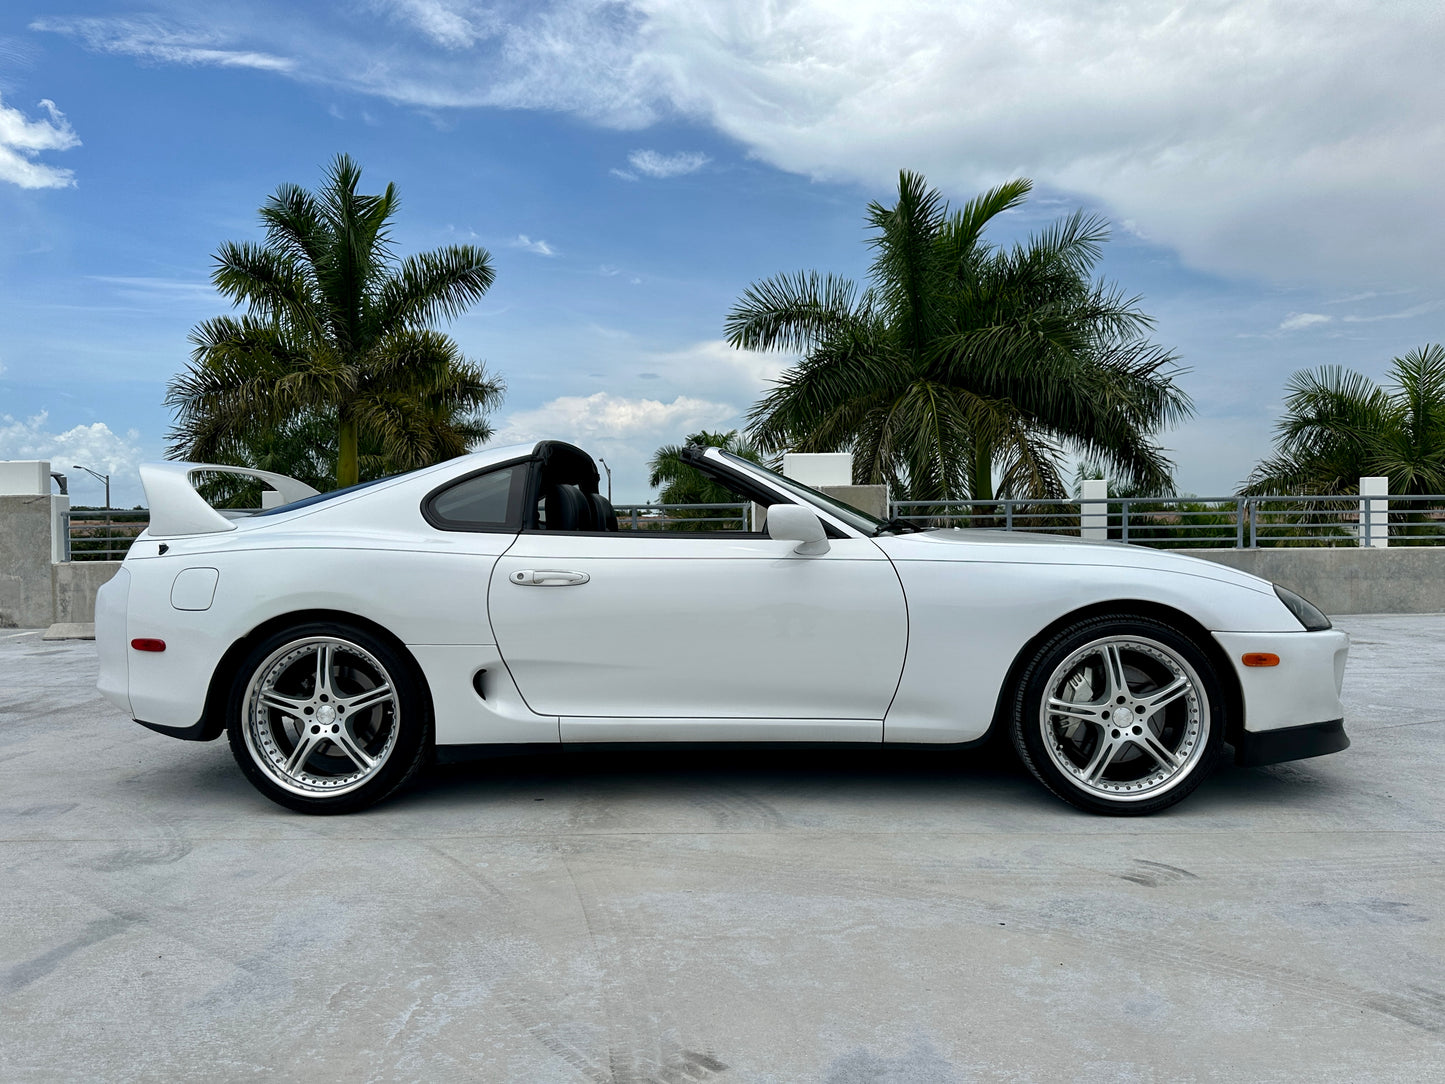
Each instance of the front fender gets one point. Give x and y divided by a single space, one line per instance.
968 620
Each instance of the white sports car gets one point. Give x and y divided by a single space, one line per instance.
342 639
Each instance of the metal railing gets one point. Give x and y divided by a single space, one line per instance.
1054 516
104 534
1231 522
687 517
1202 522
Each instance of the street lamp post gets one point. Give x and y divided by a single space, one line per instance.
609 477
98 477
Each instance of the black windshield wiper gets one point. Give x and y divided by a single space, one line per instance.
897 526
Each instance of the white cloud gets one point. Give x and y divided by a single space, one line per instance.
452 24
95 446
163 291
654 397
1297 321
21 139
717 369
540 247
604 416
663 166
1402 314
1269 140
153 39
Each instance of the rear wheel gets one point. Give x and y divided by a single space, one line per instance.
327 719
1119 715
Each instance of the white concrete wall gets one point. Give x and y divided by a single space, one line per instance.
24 478
819 469
1348 579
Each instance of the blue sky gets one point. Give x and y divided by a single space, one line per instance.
1272 176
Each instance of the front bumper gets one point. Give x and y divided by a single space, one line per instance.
1252 749
1299 692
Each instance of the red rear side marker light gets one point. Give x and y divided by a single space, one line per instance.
1260 658
143 644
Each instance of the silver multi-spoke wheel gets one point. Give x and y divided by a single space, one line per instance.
320 716
1126 718
1119 714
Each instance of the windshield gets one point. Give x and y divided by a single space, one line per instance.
855 518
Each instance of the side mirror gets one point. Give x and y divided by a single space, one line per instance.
794 523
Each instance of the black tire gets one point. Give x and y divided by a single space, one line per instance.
1091 754
291 733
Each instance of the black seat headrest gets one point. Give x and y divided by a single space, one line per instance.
568 509
603 512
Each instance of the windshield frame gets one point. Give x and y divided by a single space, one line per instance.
860 521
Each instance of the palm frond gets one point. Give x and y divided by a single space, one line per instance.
793 312
434 285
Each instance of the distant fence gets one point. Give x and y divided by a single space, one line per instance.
1162 522
673 517
1205 522
104 535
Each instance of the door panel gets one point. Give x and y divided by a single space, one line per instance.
686 627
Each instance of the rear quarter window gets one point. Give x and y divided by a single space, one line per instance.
490 501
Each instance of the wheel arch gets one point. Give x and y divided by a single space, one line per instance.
1170 615
214 717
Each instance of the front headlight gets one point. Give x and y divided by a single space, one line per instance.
1306 612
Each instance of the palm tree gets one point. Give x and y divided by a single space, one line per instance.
963 369
337 328
1339 426
683 483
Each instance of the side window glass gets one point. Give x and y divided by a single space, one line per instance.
484 502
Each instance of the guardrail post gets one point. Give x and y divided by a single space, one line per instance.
1252 507
1239 514
1008 515
1093 496
1374 513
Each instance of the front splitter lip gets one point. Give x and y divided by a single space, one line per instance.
1254 748
197 731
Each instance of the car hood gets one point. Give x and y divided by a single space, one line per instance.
1019 547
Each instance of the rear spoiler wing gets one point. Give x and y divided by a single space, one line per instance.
178 510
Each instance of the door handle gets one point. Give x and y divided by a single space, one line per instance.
547 577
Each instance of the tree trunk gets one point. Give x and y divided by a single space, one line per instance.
981 484
348 469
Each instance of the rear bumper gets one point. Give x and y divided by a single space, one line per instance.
1254 748
111 644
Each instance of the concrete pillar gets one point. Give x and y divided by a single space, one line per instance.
1374 513
27 598
832 473
25 478
1094 509
870 499
818 469
59 529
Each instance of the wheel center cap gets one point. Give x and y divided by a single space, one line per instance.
325 714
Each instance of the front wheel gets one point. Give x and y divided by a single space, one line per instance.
1119 715
327 719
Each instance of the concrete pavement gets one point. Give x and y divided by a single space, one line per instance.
861 918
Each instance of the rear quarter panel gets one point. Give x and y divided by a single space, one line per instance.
424 590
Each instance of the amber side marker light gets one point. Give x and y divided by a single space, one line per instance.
143 644
1261 658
